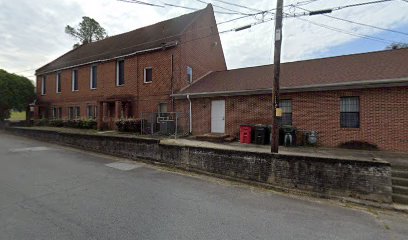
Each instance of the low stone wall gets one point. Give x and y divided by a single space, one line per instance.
326 177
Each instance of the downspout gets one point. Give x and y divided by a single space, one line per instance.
190 115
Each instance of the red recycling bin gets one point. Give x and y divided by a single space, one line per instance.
245 134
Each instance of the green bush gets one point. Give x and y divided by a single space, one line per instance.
56 123
129 125
88 124
41 122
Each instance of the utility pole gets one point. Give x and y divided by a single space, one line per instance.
276 66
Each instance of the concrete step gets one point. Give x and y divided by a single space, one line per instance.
398 198
399 182
400 190
399 173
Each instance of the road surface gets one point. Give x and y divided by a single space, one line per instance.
52 192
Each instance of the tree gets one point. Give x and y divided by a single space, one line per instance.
397 46
88 31
16 92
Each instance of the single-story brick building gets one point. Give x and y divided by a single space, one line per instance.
361 97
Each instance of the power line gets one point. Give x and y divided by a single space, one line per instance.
238 5
142 3
347 32
228 9
175 6
366 25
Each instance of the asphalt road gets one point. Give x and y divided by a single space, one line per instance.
51 192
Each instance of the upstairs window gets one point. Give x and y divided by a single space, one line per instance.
148 75
120 72
189 74
75 86
94 74
350 112
58 83
44 85
286 106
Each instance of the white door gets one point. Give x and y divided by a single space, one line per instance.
218 116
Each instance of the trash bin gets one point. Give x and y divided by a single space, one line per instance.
288 134
245 134
261 134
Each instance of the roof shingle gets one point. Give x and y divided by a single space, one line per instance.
390 64
148 37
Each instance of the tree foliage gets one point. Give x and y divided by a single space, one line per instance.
16 92
397 45
88 31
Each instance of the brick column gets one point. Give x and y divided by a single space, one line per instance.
36 112
104 111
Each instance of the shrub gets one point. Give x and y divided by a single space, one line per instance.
88 124
41 122
361 145
129 125
56 123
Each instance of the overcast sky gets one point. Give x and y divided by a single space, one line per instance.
32 32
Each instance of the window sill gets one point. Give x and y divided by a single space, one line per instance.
75 90
120 85
350 129
93 89
148 82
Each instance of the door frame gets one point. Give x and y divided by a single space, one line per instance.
223 119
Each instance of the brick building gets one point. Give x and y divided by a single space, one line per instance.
362 97
178 65
130 73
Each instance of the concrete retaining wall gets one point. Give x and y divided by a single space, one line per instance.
325 177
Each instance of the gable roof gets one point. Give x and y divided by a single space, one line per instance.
375 67
153 37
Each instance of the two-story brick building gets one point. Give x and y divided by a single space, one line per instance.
178 65
130 73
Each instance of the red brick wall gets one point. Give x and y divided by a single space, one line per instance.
195 50
383 115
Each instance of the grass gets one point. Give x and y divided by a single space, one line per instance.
17 116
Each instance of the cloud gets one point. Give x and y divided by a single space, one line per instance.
33 34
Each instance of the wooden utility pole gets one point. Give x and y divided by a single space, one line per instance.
276 66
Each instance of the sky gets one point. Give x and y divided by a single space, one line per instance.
32 32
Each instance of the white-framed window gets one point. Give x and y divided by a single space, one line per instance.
54 113
93 77
148 75
44 85
189 74
74 112
120 72
75 86
91 111
58 83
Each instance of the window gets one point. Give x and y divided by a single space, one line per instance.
148 75
286 106
59 113
350 112
162 109
58 83
91 111
71 112
44 85
75 86
120 72
189 74
77 112
74 112
54 113
94 74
